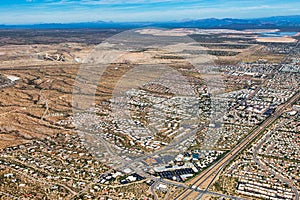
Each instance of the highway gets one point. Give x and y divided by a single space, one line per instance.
182 185
206 178
264 166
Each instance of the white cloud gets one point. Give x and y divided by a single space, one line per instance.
110 2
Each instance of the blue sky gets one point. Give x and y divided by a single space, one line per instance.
64 11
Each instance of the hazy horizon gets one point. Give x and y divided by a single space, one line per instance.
20 12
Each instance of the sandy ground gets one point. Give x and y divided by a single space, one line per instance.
277 39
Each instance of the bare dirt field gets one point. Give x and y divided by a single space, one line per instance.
46 65
277 39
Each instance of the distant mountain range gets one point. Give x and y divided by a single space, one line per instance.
282 22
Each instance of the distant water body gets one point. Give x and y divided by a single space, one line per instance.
277 34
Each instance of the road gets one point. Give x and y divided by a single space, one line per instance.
182 185
206 178
152 189
42 181
265 167
26 67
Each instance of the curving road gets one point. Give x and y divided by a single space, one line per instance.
206 178
265 167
